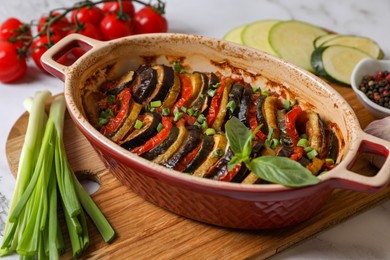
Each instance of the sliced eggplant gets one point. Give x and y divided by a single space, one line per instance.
213 82
144 84
244 105
128 123
241 174
271 105
234 99
220 169
220 143
281 119
205 149
183 134
114 87
165 80
197 104
138 137
284 151
163 146
333 145
220 119
189 144
260 116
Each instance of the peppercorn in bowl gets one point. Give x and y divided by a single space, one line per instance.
370 80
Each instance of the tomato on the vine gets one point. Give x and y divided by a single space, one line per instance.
149 20
89 15
114 7
40 45
87 29
59 27
14 31
12 65
115 26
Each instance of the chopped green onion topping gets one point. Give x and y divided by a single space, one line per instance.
303 142
111 99
190 111
177 67
166 111
217 85
265 93
313 153
138 124
155 104
231 105
287 104
211 92
308 149
329 160
177 114
201 118
103 121
184 109
210 131
204 124
218 153
160 127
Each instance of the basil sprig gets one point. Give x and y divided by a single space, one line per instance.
275 169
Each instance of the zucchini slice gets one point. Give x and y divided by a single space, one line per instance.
293 41
323 38
220 119
234 35
163 146
336 62
364 44
270 108
256 35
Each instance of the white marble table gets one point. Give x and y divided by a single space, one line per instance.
365 236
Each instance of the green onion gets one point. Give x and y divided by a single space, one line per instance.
308 149
165 111
218 153
177 67
138 124
265 93
32 228
204 124
111 99
257 90
231 105
160 127
201 118
287 104
155 104
210 131
177 114
329 160
217 85
313 153
183 109
211 92
190 111
303 142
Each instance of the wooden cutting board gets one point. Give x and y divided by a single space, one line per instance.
145 231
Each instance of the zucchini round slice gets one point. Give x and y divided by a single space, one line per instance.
323 38
256 35
364 44
293 41
234 35
336 62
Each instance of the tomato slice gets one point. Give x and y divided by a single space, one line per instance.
157 139
291 117
253 124
123 100
297 153
215 104
230 174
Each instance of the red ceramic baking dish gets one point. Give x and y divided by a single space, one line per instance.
233 205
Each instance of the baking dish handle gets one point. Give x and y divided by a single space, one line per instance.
343 177
58 58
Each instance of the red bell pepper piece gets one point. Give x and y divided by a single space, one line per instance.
291 117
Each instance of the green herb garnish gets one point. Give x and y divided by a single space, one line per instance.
275 169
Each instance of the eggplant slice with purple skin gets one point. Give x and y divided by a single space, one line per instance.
163 146
260 114
165 80
191 142
148 129
235 100
281 120
205 149
200 100
144 84
244 104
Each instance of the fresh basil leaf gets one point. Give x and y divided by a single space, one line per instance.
236 159
282 170
239 137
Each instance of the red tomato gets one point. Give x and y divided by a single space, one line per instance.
59 27
12 65
114 26
14 31
39 46
148 20
89 30
128 7
91 14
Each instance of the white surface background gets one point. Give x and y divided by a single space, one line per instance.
366 236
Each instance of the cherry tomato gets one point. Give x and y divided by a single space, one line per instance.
91 14
14 31
39 46
114 26
128 7
12 65
149 20
59 27
87 29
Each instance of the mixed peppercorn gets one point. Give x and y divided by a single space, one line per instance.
376 87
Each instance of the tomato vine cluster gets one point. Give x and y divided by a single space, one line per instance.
101 20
